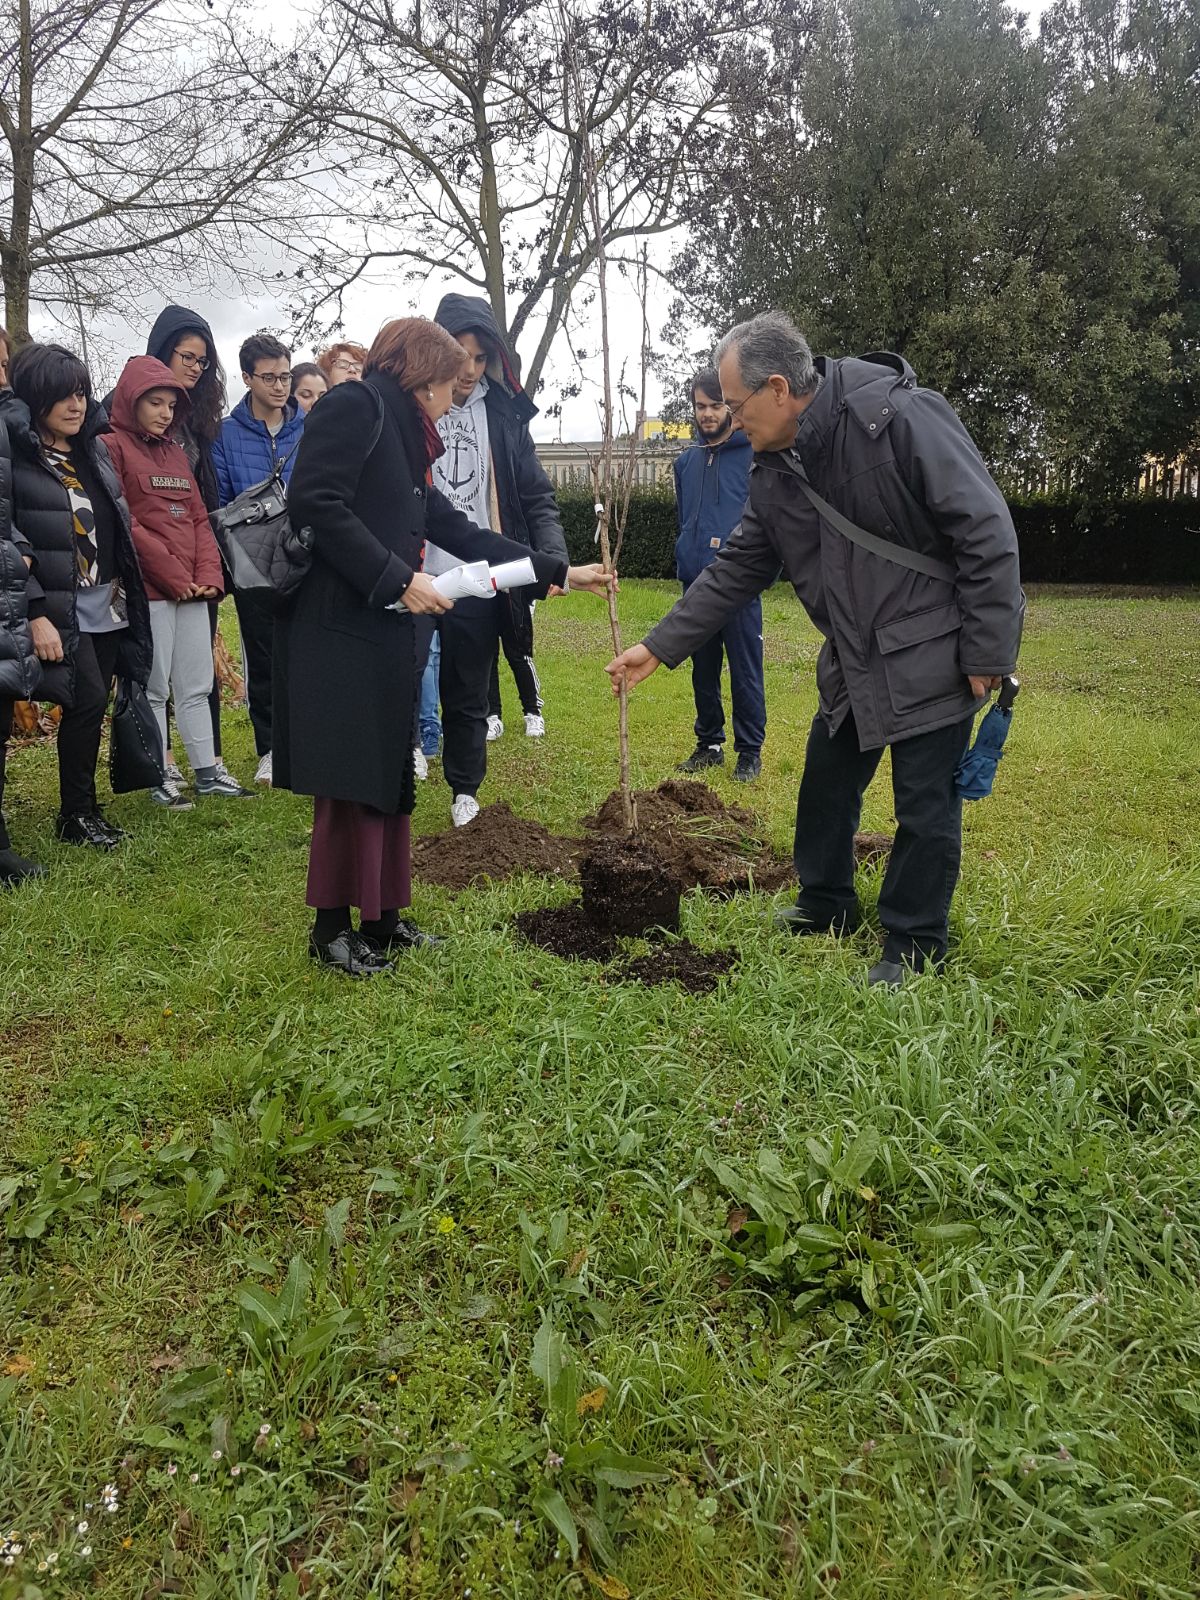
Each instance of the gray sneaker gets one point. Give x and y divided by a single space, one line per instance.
169 798
221 786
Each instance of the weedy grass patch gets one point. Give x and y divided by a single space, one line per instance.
502 1277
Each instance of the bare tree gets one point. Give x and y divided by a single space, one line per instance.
126 128
470 131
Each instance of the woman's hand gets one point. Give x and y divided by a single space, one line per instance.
631 666
593 578
421 598
47 641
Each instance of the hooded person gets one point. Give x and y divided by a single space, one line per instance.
491 473
179 559
183 341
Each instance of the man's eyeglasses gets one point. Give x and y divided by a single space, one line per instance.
199 363
342 365
276 380
736 411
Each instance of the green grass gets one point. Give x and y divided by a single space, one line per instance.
407 1226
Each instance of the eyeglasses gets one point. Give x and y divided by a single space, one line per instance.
276 380
202 363
342 365
736 411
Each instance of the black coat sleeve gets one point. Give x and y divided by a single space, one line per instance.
536 494
454 532
322 490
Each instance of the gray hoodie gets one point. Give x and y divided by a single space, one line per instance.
463 474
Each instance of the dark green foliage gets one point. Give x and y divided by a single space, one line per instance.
1138 541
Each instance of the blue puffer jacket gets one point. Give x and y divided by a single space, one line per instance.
711 485
245 454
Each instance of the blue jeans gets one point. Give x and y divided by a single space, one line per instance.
429 721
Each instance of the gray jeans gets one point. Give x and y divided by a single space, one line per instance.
183 668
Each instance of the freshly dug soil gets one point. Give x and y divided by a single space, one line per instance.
627 889
695 970
497 844
566 931
869 847
702 841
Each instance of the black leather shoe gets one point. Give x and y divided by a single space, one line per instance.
88 830
352 954
407 936
888 975
748 768
110 828
791 919
703 757
15 869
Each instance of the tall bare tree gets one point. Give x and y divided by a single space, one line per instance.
127 127
469 134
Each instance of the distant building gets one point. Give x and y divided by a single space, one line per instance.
661 443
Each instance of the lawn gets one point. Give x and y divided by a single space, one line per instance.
494 1278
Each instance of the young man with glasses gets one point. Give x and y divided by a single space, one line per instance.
712 480
260 435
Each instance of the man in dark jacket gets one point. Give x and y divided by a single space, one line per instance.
711 483
20 669
261 433
921 612
490 472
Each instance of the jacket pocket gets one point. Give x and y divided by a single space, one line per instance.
920 658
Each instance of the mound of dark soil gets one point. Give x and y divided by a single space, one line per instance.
497 844
627 889
566 931
680 962
701 840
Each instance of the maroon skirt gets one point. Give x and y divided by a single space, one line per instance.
359 857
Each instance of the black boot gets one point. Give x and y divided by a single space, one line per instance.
15 869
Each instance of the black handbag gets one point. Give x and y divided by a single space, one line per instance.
135 750
265 555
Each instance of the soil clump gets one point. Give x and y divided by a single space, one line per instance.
497 844
568 932
697 971
627 888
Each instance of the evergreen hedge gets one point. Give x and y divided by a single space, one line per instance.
1134 541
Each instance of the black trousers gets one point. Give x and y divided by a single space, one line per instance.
524 675
6 716
914 903
739 642
470 642
257 623
79 727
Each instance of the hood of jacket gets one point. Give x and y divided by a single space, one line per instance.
141 374
172 323
465 313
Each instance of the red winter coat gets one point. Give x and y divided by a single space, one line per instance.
171 530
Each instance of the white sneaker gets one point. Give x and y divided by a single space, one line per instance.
263 775
465 807
420 764
495 729
535 725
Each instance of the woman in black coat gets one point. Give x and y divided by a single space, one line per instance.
349 654
87 604
20 670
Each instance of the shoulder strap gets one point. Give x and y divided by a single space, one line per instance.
913 559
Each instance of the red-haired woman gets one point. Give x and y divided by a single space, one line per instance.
349 653
342 363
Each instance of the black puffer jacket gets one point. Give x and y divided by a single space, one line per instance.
41 509
20 669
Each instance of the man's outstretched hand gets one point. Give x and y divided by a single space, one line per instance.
631 666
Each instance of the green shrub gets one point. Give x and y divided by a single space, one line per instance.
1139 540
